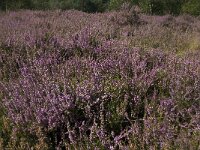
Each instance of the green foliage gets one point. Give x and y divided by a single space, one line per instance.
192 7
157 7
173 7
70 4
10 4
160 7
144 5
115 4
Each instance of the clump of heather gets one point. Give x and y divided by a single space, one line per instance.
92 88
124 95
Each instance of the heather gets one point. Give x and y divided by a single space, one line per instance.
115 80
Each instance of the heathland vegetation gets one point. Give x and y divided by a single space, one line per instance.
114 80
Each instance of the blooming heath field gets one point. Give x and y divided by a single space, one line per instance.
107 81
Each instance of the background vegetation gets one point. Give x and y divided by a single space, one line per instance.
114 80
158 7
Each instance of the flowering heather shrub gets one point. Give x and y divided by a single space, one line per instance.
78 88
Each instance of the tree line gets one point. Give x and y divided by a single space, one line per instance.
157 7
